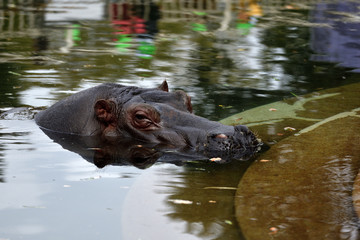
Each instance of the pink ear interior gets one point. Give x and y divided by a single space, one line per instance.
104 110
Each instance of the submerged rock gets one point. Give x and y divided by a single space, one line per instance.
302 187
305 189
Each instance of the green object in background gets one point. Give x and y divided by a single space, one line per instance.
124 39
147 50
123 43
244 25
199 13
122 47
199 27
75 32
244 28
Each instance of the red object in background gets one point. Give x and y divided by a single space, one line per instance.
134 25
128 24
114 8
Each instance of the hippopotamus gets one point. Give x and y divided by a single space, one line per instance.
113 113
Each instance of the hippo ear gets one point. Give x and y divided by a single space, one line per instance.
164 86
105 110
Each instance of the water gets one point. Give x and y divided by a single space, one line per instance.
228 59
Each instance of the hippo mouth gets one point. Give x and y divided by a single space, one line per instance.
240 144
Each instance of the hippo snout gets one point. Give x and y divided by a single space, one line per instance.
246 137
240 142
242 129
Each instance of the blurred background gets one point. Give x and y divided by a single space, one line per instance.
228 55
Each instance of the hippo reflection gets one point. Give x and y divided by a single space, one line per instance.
122 122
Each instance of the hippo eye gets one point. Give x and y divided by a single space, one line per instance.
144 118
140 117
142 121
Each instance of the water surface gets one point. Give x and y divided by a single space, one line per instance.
228 58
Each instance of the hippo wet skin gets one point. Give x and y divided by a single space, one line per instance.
111 113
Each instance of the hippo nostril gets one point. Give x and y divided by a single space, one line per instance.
221 135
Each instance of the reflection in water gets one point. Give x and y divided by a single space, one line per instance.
10 86
127 151
194 202
135 25
2 163
7 137
48 189
229 55
206 208
340 43
213 67
73 37
247 16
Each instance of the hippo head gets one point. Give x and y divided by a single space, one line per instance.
165 119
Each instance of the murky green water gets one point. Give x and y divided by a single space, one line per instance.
227 57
